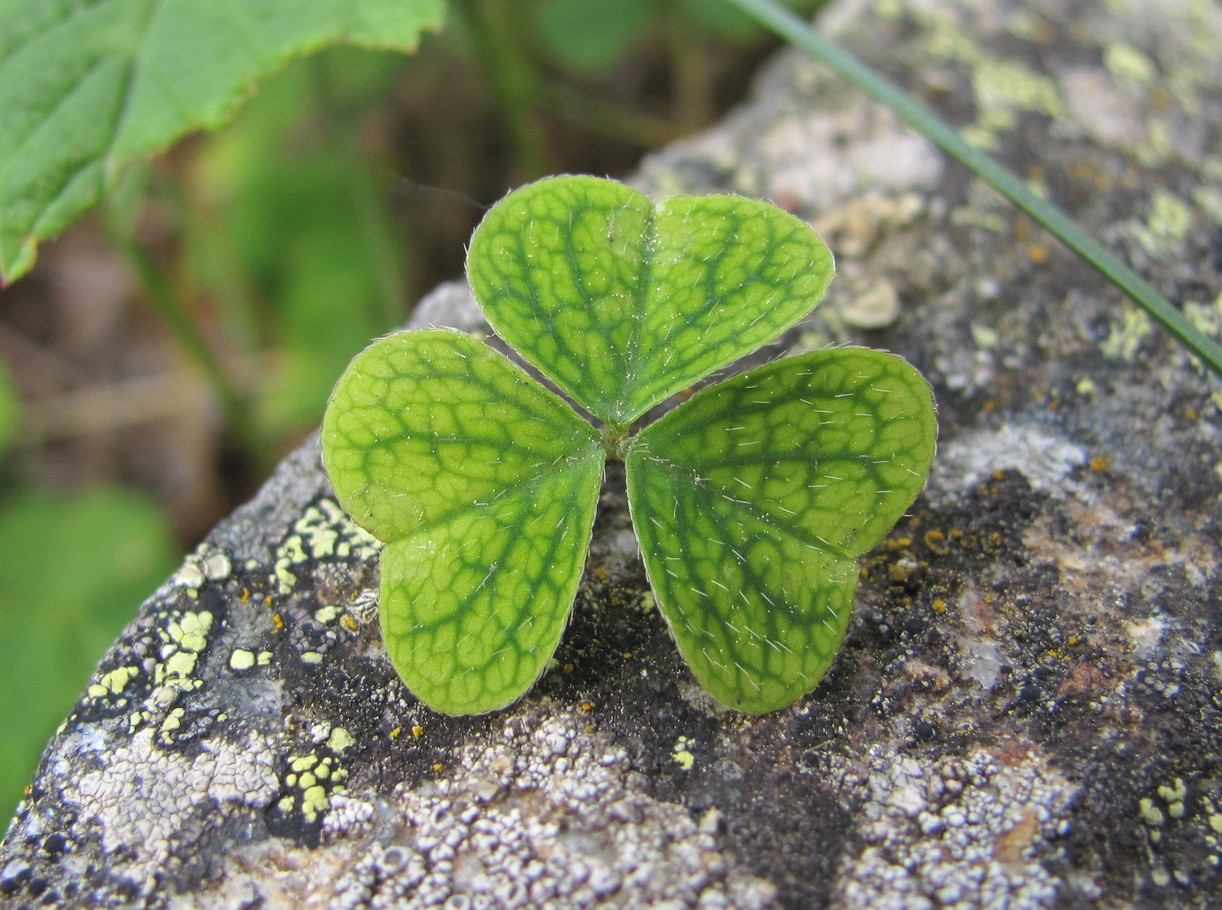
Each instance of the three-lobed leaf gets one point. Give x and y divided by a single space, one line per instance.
622 302
751 500
88 87
483 485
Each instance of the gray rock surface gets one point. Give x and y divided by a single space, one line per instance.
1026 711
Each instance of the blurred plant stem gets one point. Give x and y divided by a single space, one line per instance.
166 301
494 30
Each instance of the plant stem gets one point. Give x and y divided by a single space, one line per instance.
171 307
796 31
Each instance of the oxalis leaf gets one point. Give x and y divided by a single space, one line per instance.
751 500
89 86
483 484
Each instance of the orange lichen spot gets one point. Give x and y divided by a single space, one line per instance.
627 655
1100 463
1037 253
990 405
348 623
417 731
267 600
935 540
588 706
245 595
394 734
588 728
938 605
1073 641
898 572
277 622
903 542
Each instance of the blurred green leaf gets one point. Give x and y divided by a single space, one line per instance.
89 86
73 572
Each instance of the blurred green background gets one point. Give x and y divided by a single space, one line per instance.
170 348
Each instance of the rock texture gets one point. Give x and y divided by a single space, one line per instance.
1026 711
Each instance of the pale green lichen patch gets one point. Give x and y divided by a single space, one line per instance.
682 755
241 659
113 683
311 781
323 532
339 740
327 615
206 564
1127 334
1129 64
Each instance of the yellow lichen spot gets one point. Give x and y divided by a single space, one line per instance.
935 540
898 572
117 679
438 766
172 722
1085 387
417 731
682 755
265 658
1215 822
277 622
938 605
180 665
302 762
1037 253
627 655
1150 813
244 596
567 668
339 740
394 734
588 728
588 706
286 803
1100 463
348 623
241 659
191 632
1073 641
1129 64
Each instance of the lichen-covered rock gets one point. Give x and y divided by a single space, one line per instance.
1027 709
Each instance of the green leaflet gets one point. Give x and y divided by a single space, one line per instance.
623 303
87 87
484 485
751 500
